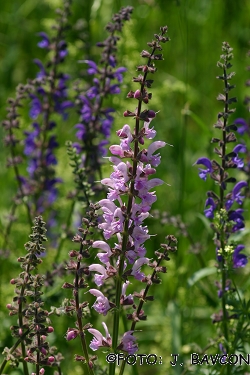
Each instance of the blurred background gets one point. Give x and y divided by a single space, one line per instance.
184 91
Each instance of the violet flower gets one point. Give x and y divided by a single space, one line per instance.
209 212
242 126
240 148
204 172
235 195
239 260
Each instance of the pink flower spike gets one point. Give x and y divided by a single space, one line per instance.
101 305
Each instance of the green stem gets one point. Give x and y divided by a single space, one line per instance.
222 230
63 236
79 314
142 301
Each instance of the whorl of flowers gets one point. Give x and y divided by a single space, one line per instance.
93 130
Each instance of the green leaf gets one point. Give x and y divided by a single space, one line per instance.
204 272
206 222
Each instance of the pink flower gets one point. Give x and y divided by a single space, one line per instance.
137 268
140 235
103 274
99 340
104 257
101 304
126 300
148 157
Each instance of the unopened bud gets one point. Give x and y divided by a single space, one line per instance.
137 94
151 114
50 329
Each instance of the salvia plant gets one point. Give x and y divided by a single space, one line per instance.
101 285
224 208
34 143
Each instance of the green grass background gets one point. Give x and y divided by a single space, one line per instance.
184 91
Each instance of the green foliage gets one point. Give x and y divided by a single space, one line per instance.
185 92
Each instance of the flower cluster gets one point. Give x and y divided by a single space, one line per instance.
221 206
129 200
93 130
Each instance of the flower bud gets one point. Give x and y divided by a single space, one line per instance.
137 94
151 114
43 351
71 334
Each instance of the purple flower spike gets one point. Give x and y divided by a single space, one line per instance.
203 172
239 260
